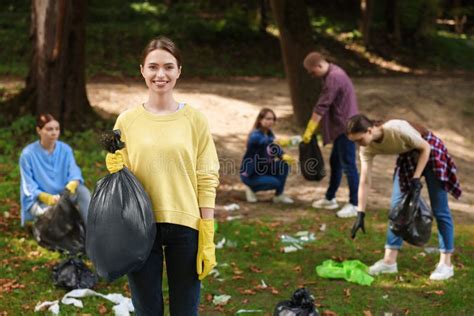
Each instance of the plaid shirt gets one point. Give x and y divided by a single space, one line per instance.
440 160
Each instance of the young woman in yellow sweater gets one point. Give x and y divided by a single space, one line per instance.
169 148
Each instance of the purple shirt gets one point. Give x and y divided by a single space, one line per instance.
336 104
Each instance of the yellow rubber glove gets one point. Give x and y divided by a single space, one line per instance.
283 142
72 186
114 162
206 256
310 128
47 198
288 159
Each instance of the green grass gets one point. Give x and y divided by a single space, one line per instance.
256 257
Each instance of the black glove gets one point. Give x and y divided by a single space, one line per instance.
415 184
359 224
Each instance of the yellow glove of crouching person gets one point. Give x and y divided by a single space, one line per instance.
288 159
310 128
114 162
72 186
206 255
47 198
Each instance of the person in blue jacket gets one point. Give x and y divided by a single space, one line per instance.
48 168
260 170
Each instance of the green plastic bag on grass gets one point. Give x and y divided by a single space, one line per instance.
350 270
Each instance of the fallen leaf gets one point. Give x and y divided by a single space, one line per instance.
255 269
209 297
367 313
297 269
102 309
245 301
238 277
347 292
328 312
247 292
437 292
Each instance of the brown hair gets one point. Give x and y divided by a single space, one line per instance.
43 119
360 124
313 59
260 116
164 43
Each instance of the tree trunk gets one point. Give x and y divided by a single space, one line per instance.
366 12
263 16
296 42
392 14
427 21
56 80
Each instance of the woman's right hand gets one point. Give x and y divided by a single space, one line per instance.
359 224
48 199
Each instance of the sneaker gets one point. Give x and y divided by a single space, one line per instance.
282 198
325 203
250 195
348 210
382 267
442 272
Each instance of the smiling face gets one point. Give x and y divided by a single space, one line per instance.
160 71
49 133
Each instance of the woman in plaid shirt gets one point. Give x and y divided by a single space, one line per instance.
420 153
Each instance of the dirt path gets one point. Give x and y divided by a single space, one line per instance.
445 105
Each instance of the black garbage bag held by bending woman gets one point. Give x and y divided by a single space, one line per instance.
121 225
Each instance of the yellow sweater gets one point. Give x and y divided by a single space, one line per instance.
174 158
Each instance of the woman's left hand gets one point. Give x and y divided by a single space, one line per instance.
206 256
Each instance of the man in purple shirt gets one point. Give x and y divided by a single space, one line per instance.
336 104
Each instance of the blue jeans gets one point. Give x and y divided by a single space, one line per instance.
343 159
439 204
179 245
273 178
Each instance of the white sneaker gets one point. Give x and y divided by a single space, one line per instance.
325 203
250 195
382 267
442 272
282 198
348 210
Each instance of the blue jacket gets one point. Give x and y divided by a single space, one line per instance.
45 172
261 150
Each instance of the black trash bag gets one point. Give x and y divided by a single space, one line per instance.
311 160
73 274
121 226
412 218
300 304
61 227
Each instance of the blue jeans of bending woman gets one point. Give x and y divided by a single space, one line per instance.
271 178
439 205
178 246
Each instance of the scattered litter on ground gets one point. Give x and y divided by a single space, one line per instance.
322 227
430 250
296 241
221 299
264 285
250 311
232 207
385 297
225 242
350 270
123 305
231 218
52 307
